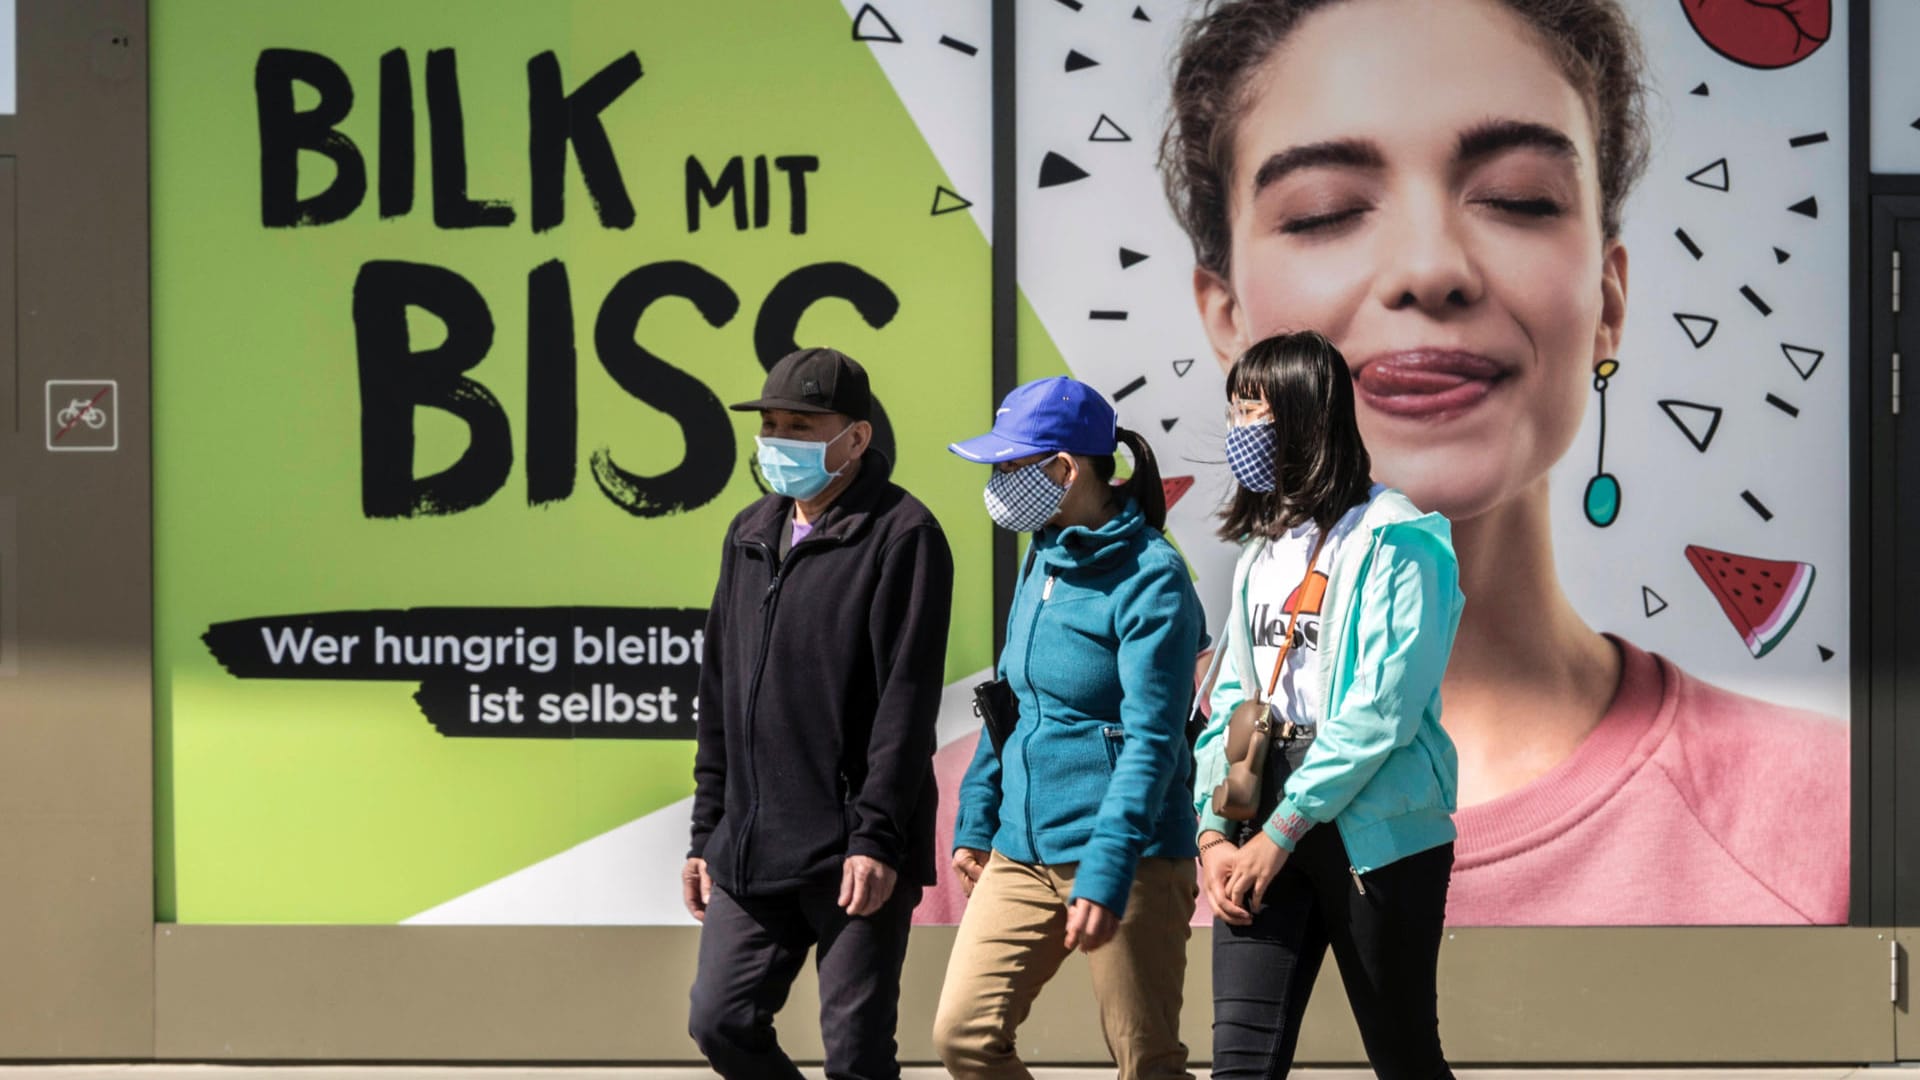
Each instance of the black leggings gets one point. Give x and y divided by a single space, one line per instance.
1386 941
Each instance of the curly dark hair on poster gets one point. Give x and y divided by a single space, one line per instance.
1227 41
1321 465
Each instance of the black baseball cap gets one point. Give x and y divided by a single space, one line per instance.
815 381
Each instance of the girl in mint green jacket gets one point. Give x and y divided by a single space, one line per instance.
1352 847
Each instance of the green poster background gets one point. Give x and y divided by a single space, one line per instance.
285 801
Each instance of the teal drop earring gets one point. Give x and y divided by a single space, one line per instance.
1603 491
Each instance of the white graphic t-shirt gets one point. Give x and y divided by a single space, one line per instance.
1274 586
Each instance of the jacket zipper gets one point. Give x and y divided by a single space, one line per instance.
1026 744
1333 676
769 603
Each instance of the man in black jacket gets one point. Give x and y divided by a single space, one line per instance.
820 683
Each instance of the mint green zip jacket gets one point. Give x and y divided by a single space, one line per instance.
1380 768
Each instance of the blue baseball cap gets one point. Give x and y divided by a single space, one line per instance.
1043 417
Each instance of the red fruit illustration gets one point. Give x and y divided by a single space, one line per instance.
1762 598
1762 33
1175 486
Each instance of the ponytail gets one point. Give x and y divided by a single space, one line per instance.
1144 485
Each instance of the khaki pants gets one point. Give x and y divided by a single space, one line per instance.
1013 938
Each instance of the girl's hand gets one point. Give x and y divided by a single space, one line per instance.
1258 863
1216 866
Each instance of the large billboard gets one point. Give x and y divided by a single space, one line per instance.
447 311
448 305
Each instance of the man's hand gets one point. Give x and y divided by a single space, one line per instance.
1089 925
1258 864
1216 866
968 865
865 884
696 888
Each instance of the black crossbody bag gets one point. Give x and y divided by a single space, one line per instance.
994 702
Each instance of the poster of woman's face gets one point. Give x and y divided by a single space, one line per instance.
1586 262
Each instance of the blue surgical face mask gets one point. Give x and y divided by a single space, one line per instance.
1250 455
797 468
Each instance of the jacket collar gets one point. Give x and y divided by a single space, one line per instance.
1077 545
849 516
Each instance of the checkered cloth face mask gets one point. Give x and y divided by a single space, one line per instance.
1025 499
1250 454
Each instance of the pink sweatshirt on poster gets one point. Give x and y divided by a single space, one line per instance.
1686 805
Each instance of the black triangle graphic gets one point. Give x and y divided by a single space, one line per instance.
1686 415
1079 61
1701 90
1142 17
1056 170
1167 425
1181 367
1108 131
870 25
1915 125
1826 654
1713 176
1780 256
1699 328
1804 360
1655 603
1130 258
946 202
1807 206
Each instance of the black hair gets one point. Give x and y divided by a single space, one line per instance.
1144 485
1321 466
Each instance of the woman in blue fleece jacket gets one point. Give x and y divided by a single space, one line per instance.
1077 832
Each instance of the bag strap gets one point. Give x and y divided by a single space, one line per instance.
1299 599
1205 689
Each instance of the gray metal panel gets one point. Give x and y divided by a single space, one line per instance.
76 768
1671 995
1640 995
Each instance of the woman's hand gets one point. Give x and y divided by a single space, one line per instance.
1258 863
1089 925
1217 863
968 864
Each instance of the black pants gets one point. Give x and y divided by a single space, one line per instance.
1386 941
750 951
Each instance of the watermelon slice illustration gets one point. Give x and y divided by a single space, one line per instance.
1174 487
1761 597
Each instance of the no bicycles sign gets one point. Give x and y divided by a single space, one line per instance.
83 414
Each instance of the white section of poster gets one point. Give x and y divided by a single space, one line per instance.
9 58
629 876
938 56
1894 91
1783 437
1083 74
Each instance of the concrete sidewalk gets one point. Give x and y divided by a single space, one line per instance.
680 1073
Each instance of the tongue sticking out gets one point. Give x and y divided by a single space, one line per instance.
1424 385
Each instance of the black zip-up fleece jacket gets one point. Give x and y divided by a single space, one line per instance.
819 690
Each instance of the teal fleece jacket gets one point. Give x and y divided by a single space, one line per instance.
1100 649
1380 768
